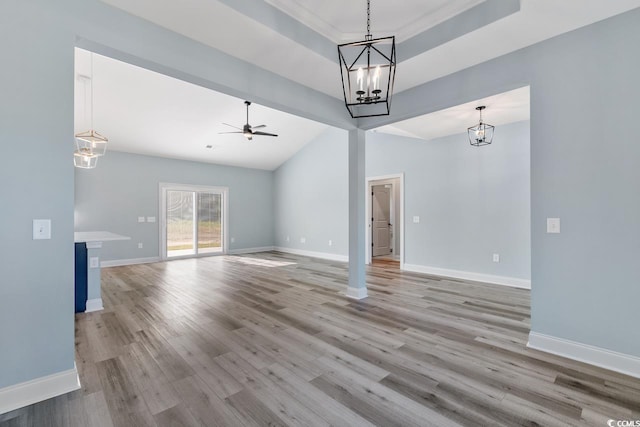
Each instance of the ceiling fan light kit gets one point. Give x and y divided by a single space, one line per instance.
368 70
247 130
482 133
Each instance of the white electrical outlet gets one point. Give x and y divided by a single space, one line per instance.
303 240
41 229
496 257
553 225
94 262
151 219
416 219
140 219
233 240
140 245
287 238
330 242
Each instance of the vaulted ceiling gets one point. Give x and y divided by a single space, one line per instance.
297 40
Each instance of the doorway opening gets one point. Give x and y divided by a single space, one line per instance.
193 221
385 220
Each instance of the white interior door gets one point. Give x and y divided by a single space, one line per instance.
381 220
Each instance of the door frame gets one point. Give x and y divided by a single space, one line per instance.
399 216
162 226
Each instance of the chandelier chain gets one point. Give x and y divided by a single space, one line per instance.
368 17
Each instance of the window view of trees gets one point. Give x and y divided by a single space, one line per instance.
184 208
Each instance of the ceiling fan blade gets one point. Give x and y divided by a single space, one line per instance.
264 134
258 127
235 127
220 133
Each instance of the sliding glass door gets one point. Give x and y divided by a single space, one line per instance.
193 220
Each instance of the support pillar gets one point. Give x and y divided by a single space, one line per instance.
357 280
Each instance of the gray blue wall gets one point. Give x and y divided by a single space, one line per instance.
37 40
125 186
584 96
311 196
472 201
584 107
36 180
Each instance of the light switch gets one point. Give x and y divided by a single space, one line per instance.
140 219
151 219
94 262
553 225
303 240
41 229
496 257
416 219
233 240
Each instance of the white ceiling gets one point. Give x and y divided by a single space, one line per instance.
144 112
344 21
148 113
504 108
216 24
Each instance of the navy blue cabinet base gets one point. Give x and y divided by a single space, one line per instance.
81 277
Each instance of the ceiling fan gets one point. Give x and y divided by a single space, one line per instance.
247 130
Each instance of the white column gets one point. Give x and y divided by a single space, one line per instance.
357 281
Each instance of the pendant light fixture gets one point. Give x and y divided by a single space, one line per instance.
90 144
368 70
482 133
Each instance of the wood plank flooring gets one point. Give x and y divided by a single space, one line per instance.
269 339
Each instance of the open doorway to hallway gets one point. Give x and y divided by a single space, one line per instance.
385 220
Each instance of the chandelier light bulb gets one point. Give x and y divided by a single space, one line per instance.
360 79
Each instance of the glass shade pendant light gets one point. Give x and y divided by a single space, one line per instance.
85 159
90 144
368 70
482 133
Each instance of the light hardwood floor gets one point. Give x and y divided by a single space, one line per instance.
270 339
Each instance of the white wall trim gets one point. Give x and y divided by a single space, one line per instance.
251 250
467 275
131 261
322 255
39 389
357 293
94 305
597 356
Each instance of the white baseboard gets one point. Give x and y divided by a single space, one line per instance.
251 250
94 305
131 261
612 360
34 391
322 255
467 275
357 293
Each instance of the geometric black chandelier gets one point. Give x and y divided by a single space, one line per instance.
482 133
368 70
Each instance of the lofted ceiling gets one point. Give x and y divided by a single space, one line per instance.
148 113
